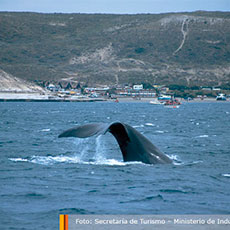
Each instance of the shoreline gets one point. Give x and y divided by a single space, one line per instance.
38 97
147 100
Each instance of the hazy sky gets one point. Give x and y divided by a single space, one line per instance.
113 6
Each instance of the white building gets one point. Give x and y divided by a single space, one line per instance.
138 87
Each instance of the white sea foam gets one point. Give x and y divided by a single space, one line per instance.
50 160
202 136
176 159
45 130
138 126
160 131
18 159
226 175
192 163
150 124
106 162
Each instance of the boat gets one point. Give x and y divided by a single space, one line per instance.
173 103
221 97
163 97
156 102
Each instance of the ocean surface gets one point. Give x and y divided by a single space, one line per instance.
43 176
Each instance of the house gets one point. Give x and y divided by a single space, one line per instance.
138 87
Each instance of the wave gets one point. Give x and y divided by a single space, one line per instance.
138 126
26 195
160 131
75 211
45 130
150 124
18 159
177 161
174 157
202 136
226 175
191 163
148 198
173 191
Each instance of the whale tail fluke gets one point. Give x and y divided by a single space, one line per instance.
134 146
85 131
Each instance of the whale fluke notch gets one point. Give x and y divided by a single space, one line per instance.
134 146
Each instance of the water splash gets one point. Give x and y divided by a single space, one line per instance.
82 147
100 150
177 161
174 157
51 160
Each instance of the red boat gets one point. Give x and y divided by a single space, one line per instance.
173 103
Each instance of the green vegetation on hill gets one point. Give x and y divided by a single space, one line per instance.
178 48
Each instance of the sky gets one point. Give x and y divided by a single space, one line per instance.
114 6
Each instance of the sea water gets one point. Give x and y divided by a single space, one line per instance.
43 176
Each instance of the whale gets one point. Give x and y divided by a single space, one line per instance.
133 145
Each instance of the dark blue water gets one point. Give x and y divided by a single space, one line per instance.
43 176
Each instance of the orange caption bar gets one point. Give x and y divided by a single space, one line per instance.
63 222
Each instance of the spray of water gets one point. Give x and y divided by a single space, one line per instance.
82 147
100 150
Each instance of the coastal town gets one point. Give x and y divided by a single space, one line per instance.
16 89
135 91
75 92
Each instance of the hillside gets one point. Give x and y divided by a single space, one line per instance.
177 48
9 83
